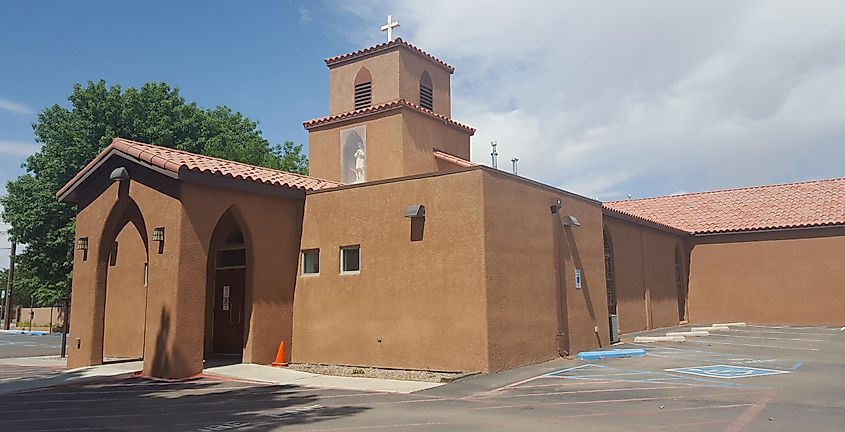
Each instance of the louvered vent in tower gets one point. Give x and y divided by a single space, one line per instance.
426 92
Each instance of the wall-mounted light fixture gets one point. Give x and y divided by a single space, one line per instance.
158 234
82 244
415 211
119 174
570 221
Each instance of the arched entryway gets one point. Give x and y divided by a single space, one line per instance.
124 266
610 284
227 289
680 285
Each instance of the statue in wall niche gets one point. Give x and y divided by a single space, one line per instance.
360 164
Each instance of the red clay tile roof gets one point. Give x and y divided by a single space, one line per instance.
461 162
176 161
385 46
399 103
793 205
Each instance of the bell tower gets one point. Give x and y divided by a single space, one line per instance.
389 116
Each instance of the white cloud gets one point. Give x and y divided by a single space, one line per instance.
17 148
607 98
304 15
14 107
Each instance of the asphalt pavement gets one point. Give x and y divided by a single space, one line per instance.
18 345
749 379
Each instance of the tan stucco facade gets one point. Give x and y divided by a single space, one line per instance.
788 278
477 292
112 301
395 75
646 274
399 143
487 280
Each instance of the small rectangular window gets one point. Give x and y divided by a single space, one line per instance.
350 259
311 261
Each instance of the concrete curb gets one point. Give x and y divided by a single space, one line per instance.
649 339
616 353
732 324
699 333
711 328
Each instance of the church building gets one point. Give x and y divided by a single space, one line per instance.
397 251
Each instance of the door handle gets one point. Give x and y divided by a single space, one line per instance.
235 308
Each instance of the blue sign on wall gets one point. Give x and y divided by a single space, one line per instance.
725 371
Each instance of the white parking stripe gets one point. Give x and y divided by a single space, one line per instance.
758 346
769 338
790 333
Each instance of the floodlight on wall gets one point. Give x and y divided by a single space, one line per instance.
554 205
158 234
119 174
415 211
570 221
82 244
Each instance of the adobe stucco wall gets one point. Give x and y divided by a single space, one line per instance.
414 304
271 228
395 74
383 154
422 134
411 68
384 69
100 217
399 143
178 271
786 278
645 278
521 266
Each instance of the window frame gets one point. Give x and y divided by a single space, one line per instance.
302 271
344 249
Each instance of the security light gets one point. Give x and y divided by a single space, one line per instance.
415 211
119 174
570 221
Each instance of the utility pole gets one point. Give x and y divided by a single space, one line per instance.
10 286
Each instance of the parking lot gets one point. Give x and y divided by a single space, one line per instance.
748 379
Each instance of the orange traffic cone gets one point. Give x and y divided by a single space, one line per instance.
280 356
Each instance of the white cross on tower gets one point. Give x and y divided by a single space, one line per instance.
389 27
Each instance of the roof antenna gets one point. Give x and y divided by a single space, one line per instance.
494 154
514 161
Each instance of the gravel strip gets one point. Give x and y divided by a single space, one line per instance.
368 372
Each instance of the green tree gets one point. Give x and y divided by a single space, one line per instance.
70 138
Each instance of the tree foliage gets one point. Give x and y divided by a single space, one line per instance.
155 113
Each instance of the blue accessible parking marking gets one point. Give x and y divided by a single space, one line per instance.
729 372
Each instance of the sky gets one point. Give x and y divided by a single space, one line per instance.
604 98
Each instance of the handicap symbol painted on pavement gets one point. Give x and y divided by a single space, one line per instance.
725 371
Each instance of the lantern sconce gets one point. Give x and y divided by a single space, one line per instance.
158 234
82 245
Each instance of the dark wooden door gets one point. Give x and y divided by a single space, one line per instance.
228 332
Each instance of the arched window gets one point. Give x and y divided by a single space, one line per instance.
363 89
608 273
679 285
426 92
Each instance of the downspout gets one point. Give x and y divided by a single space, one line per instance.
560 281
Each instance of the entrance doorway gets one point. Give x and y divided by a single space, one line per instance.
228 326
226 293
